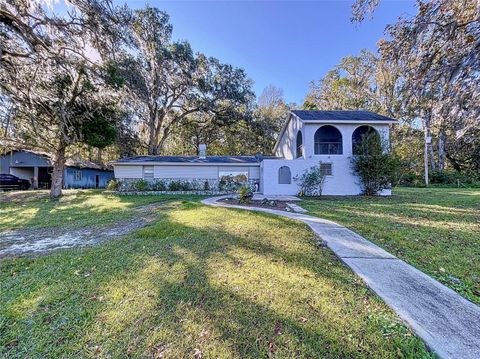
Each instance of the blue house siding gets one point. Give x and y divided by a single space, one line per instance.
85 178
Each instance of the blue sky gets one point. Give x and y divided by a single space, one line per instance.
283 43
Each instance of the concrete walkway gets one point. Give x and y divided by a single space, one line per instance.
448 323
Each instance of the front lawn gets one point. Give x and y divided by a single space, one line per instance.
76 209
436 230
200 282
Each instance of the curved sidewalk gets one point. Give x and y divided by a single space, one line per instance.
448 323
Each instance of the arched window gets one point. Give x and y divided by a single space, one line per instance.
299 144
328 141
284 175
360 134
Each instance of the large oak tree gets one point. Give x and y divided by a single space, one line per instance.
59 95
167 82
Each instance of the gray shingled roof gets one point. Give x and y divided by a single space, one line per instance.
193 159
339 116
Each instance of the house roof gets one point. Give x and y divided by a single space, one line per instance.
193 159
87 164
341 116
70 162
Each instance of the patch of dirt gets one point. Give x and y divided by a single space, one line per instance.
279 205
35 241
23 196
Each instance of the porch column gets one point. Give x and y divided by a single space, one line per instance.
35 177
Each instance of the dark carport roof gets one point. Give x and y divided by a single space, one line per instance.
193 159
340 116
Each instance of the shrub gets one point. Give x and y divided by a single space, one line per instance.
245 194
174 185
231 183
185 186
141 185
376 168
206 186
159 185
113 185
311 181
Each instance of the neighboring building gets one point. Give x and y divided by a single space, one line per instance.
307 138
37 168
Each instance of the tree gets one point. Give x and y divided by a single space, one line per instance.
376 167
437 53
59 95
268 118
168 82
353 84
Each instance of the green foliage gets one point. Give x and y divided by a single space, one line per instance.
99 131
174 185
231 183
114 77
206 186
141 185
113 185
454 178
179 185
311 181
447 178
186 186
159 185
376 167
245 194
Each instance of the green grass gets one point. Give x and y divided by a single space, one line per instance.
76 209
436 230
224 283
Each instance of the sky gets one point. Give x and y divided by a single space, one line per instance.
283 43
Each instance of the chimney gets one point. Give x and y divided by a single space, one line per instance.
202 151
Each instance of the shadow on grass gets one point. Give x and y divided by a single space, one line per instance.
436 230
75 209
222 282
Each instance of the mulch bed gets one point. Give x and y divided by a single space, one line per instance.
279 205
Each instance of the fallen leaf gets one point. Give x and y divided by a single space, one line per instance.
197 354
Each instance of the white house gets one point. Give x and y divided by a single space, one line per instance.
307 138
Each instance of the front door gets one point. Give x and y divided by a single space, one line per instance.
97 181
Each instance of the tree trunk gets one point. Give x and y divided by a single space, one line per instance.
428 133
57 175
99 155
441 150
152 142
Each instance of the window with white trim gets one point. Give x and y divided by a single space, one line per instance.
326 169
148 172
77 175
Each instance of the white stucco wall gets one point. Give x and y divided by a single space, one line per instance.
342 181
287 143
